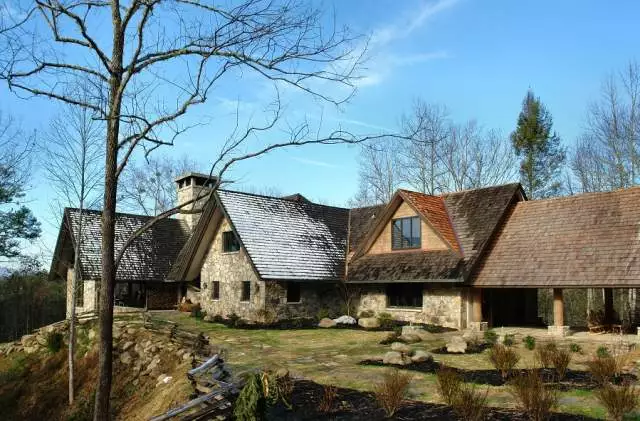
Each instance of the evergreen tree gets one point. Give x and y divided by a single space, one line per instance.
539 148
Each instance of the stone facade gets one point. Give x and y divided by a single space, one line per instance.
440 306
89 293
315 297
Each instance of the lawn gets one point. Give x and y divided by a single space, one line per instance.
331 356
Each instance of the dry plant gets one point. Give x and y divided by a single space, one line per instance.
504 359
618 400
545 353
448 384
561 359
534 398
328 398
392 390
604 369
470 404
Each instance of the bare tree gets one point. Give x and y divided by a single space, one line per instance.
607 155
379 172
149 187
73 150
135 89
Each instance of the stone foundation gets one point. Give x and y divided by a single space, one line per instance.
479 326
315 298
559 331
90 295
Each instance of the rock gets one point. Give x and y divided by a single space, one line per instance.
400 347
125 358
421 356
27 340
127 345
163 379
91 334
457 345
396 358
179 353
153 364
186 356
369 322
282 372
345 320
409 338
132 331
326 322
208 318
30 349
117 333
41 340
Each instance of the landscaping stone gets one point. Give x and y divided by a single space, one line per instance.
421 356
91 334
208 318
400 347
457 345
345 320
409 338
127 345
416 330
125 358
369 322
326 322
396 358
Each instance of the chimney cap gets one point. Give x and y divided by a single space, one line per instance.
199 177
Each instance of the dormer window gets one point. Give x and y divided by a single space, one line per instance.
229 242
405 233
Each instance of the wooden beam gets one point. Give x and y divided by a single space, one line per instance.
558 307
476 304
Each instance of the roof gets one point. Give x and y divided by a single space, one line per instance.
149 258
361 220
434 266
586 240
289 239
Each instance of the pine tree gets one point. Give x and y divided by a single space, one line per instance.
16 220
539 148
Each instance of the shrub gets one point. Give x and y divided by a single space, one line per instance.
602 352
278 387
470 404
233 319
491 337
54 341
323 313
448 384
266 316
545 353
509 339
574 347
561 359
504 359
392 390
328 398
251 403
603 369
366 313
529 342
534 398
618 400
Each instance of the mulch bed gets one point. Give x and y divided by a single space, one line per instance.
354 405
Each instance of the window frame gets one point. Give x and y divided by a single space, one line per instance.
408 290
215 290
226 236
245 292
297 288
79 293
412 221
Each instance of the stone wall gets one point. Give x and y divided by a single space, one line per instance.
315 297
440 306
90 289
230 269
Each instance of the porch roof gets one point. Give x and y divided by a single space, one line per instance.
590 240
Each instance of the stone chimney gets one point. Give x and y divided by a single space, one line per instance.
191 185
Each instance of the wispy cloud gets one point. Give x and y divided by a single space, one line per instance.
313 162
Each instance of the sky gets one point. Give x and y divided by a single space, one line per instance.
478 58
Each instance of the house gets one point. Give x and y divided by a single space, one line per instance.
460 260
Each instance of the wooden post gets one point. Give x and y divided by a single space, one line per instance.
608 305
477 305
558 307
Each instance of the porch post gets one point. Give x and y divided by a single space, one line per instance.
558 328
476 311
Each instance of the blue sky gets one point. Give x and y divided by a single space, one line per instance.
476 57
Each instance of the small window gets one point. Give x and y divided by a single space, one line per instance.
80 294
293 292
246 291
229 242
405 233
215 293
404 295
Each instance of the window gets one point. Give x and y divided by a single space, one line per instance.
80 294
405 233
215 290
404 295
246 291
229 242
293 292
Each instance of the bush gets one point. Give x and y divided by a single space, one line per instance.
328 398
504 359
529 342
509 340
251 403
603 369
278 387
534 398
618 400
233 319
470 404
323 313
574 347
561 359
602 352
545 353
392 390
448 384
491 337
54 342
366 313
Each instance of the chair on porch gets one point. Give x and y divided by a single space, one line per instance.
596 322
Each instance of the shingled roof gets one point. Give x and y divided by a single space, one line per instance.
587 240
288 239
149 258
434 210
361 220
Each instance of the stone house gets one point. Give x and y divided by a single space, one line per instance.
460 260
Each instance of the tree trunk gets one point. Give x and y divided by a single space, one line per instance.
74 295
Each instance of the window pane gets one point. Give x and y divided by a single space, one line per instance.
216 290
396 234
406 232
415 232
229 242
293 292
246 291
404 295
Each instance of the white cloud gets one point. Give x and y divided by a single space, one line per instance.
313 162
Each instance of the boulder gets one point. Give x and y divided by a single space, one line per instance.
409 338
421 356
400 347
369 322
208 318
345 320
416 330
127 345
457 345
326 322
125 358
396 358
91 334
40 339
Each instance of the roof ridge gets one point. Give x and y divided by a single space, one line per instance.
137 215
478 188
583 195
308 203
